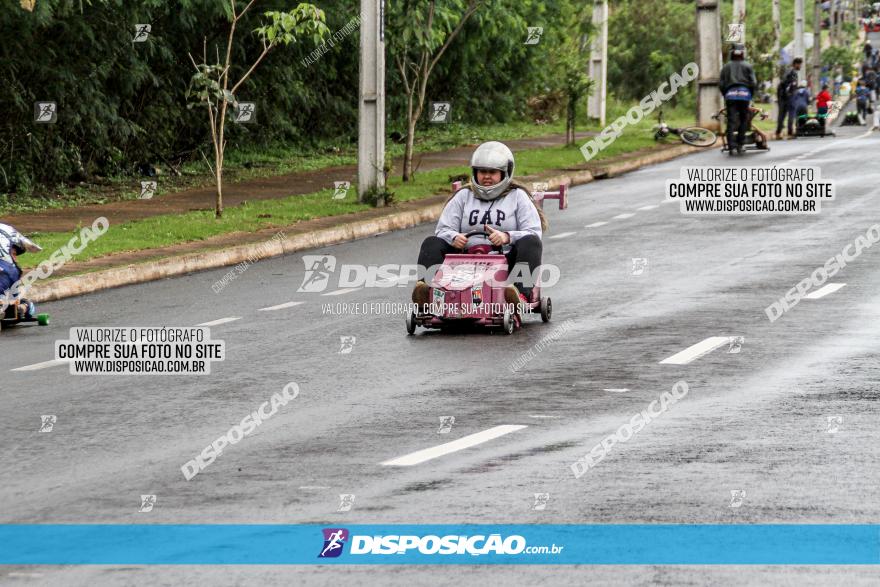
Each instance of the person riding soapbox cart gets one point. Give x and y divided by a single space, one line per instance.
468 289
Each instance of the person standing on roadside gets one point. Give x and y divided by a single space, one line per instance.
823 105
785 98
863 95
871 83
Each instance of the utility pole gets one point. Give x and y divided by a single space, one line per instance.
777 45
799 50
837 15
739 12
817 47
709 62
832 22
599 62
371 106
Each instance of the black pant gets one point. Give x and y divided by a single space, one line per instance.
737 122
822 115
527 250
785 109
802 114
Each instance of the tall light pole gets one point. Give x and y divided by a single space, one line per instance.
709 61
371 105
817 47
799 50
599 62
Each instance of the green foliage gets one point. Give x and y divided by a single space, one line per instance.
840 57
304 20
648 42
205 87
376 195
122 103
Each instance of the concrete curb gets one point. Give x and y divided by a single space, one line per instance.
621 167
75 285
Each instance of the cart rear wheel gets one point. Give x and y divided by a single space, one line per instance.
546 309
411 323
43 319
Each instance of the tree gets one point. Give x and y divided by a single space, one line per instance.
577 85
421 36
648 41
210 83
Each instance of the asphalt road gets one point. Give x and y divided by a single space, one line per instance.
754 422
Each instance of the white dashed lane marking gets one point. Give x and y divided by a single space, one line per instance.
395 280
434 452
43 365
696 351
280 306
220 321
623 216
596 224
340 292
562 235
824 291
649 207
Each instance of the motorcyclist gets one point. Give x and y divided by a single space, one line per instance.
493 203
12 244
737 83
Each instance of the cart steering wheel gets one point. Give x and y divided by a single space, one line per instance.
483 233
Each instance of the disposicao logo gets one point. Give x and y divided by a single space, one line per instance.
334 540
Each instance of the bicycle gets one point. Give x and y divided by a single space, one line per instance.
692 135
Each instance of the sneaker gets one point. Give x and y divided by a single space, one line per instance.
421 294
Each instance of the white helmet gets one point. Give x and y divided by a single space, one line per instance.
491 155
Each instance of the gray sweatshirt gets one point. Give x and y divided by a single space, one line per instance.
513 213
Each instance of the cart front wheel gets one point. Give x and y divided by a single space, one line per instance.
508 322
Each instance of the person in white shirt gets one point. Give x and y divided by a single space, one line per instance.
492 203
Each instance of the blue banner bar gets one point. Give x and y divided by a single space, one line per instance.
144 544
